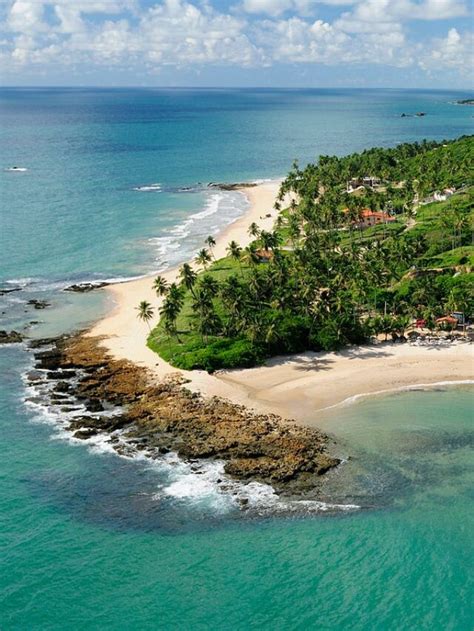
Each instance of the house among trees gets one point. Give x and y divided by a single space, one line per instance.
439 196
370 218
264 256
369 181
443 195
448 322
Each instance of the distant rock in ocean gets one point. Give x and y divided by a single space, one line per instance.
12 337
85 287
231 186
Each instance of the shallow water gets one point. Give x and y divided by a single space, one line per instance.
92 540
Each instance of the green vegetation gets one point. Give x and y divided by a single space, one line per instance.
325 278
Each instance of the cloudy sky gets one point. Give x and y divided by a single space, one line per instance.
351 43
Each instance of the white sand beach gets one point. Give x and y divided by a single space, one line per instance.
295 386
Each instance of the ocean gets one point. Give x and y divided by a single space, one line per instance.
116 187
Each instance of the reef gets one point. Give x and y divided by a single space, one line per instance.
168 417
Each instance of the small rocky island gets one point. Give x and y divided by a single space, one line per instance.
235 186
465 102
166 416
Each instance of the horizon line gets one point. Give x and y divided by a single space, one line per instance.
236 87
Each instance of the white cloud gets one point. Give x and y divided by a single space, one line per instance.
26 17
183 33
276 7
455 51
391 11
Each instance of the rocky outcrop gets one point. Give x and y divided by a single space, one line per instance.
169 417
39 304
86 287
231 186
8 290
12 337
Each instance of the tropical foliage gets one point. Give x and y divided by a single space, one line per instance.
321 279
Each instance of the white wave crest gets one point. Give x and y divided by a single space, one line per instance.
148 188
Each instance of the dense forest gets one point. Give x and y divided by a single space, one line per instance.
363 245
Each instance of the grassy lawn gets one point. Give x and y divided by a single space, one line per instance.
458 256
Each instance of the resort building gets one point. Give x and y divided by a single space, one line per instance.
369 181
439 196
264 256
370 218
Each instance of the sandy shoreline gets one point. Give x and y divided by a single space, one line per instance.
296 386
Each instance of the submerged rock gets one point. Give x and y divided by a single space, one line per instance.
8 290
12 337
39 304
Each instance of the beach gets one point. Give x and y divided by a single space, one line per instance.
291 386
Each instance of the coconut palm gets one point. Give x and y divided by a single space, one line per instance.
208 286
171 308
145 312
254 230
203 258
211 242
160 285
234 250
188 277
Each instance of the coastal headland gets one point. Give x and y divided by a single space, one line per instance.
298 386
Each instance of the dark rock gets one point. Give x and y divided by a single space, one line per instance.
84 434
62 386
39 304
35 375
61 374
85 287
5 290
223 186
12 337
94 405
44 341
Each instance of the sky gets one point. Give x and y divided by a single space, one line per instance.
225 43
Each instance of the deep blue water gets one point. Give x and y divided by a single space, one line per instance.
91 540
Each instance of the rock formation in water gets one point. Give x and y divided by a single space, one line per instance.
169 417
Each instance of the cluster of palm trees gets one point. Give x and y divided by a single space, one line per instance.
321 287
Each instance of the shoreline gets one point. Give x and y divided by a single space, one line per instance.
329 379
123 336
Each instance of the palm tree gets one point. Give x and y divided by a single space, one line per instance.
210 242
209 286
203 258
176 296
188 277
235 252
160 285
254 230
145 312
171 308
269 240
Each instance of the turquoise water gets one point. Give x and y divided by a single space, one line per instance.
90 540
